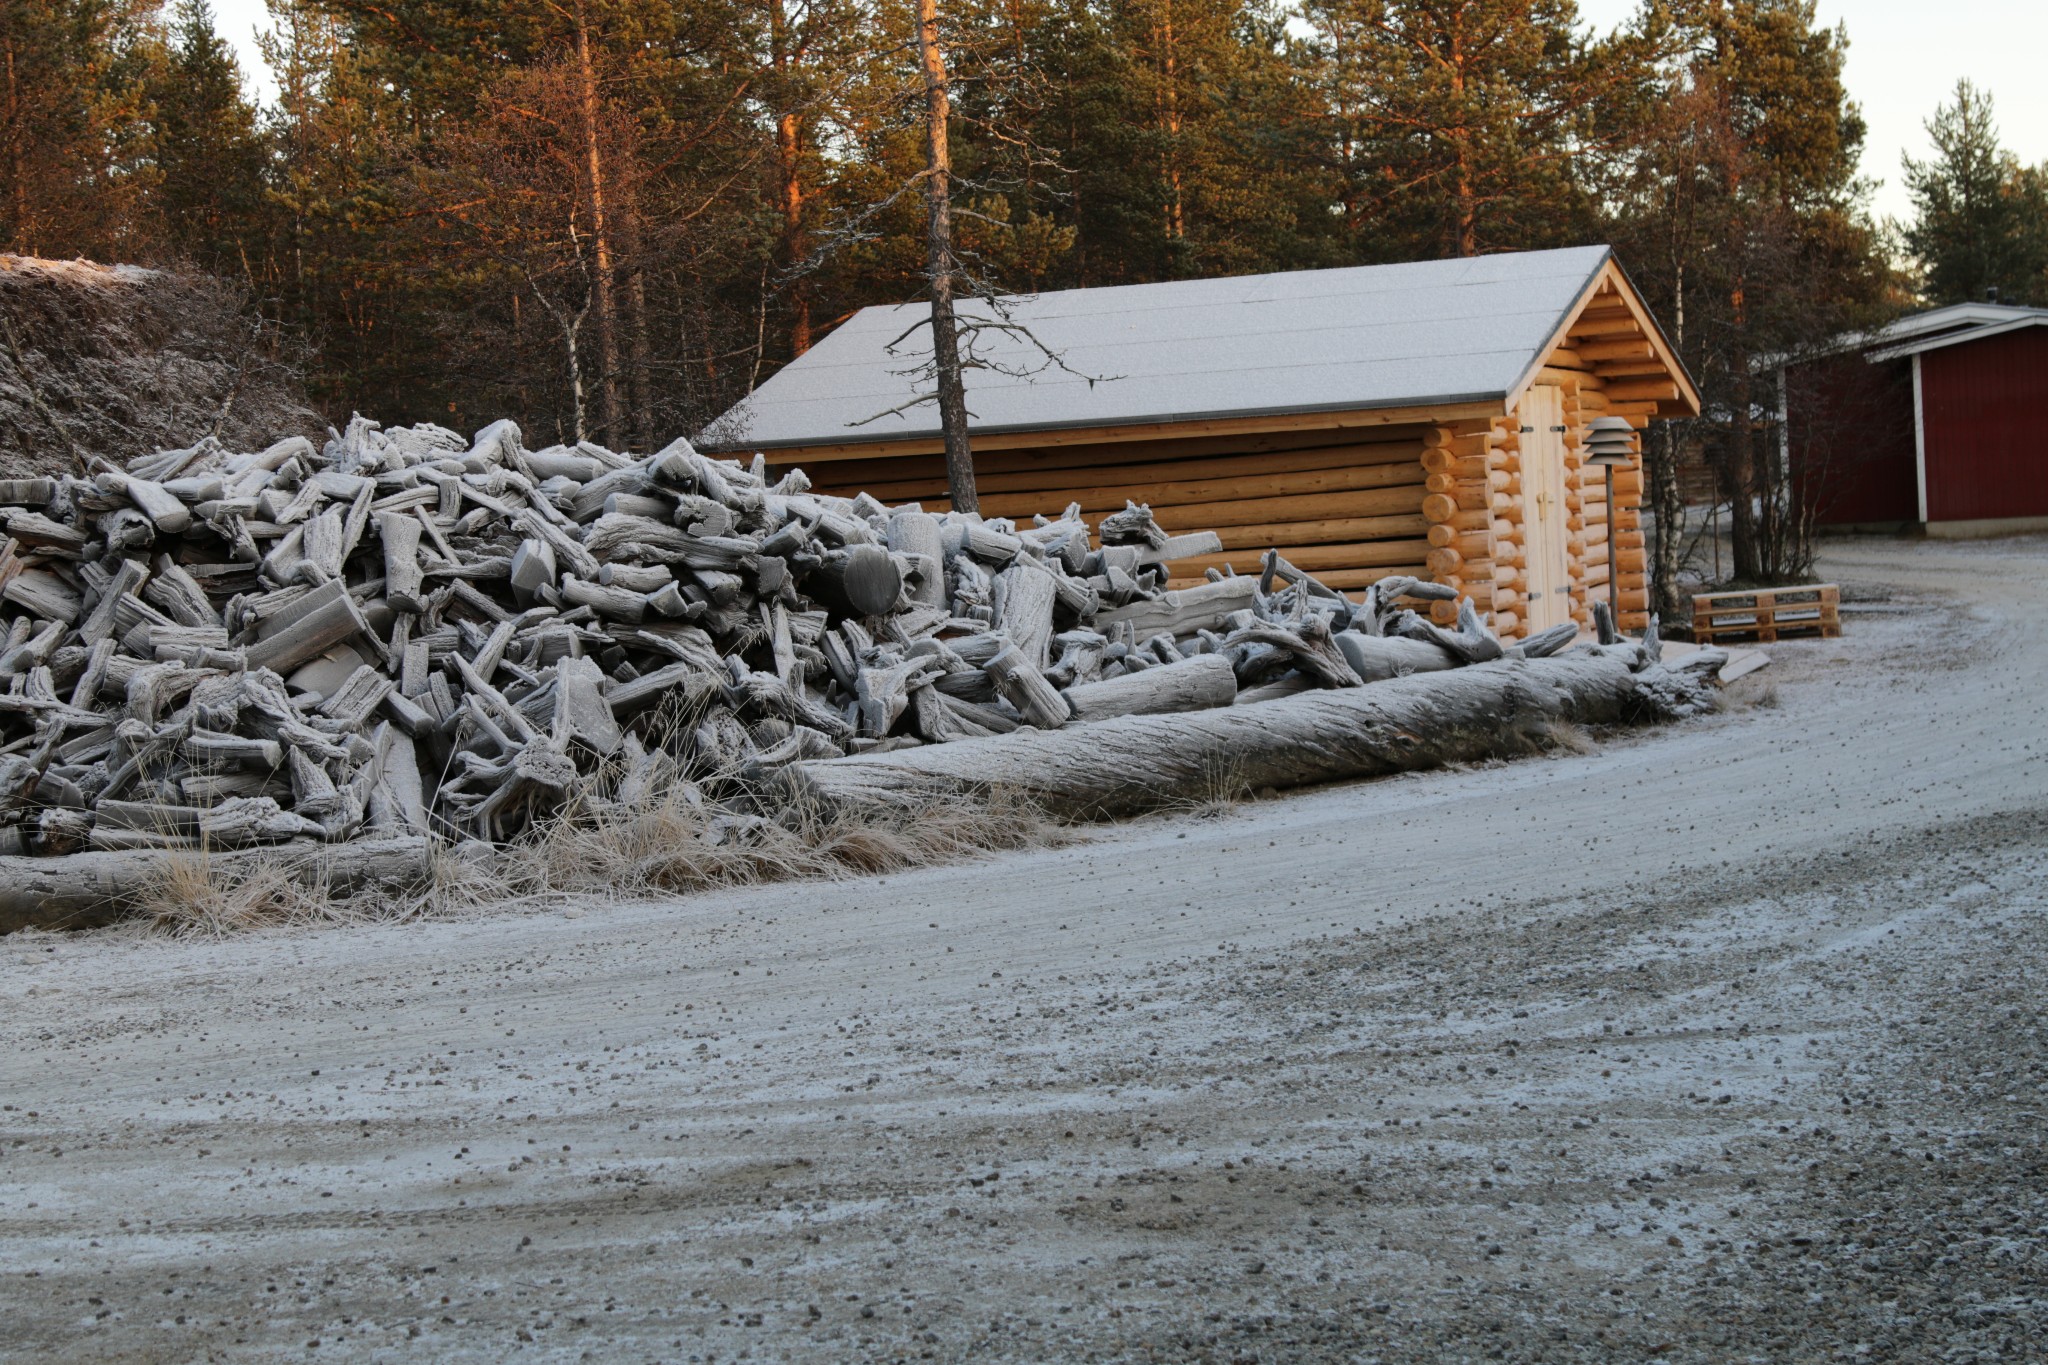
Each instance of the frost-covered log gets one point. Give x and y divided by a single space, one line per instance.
93 888
1134 763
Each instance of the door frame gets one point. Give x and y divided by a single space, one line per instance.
1547 574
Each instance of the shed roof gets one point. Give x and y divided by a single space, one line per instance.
1952 326
1431 332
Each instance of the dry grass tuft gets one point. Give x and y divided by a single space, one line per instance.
199 895
668 843
671 843
1761 698
1224 786
1567 737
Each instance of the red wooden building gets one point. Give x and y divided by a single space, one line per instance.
1933 422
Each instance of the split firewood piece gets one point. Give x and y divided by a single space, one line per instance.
1081 655
209 747
581 712
1311 646
569 551
27 492
358 519
641 578
178 595
1023 601
1134 525
492 651
1470 643
679 640
312 624
1291 684
781 644
615 604
1274 568
1379 657
313 791
883 693
919 539
1202 607
281 565
38 532
1543 644
687 680
862 580
976 718
1603 625
403 581
1186 546
931 718
979 540
164 509
1020 683
802 743
87 690
45 594
621 535
398 778
105 616
1196 684
352 702
771 696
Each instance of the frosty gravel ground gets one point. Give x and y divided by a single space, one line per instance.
1721 1042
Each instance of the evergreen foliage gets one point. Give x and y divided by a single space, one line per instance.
614 217
1980 227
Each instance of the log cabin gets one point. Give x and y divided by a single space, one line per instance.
1427 419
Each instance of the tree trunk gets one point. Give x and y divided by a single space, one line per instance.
1739 475
789 149
1169 65
639 346
1667 508
789 166
604 306
939 265
1133 763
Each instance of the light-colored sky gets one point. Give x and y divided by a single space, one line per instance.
1905 56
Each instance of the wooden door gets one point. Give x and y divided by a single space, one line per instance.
1543 530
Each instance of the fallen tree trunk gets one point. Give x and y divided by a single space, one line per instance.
84 890
1133 763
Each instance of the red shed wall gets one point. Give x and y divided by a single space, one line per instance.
1850 435
1987 441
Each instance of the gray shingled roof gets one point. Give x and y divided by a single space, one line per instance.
1306 341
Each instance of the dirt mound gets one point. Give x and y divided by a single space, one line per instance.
117 361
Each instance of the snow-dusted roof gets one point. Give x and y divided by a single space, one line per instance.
1427 333
1951 326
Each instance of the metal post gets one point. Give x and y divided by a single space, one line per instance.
1614 554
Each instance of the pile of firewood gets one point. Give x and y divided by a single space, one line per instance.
406 632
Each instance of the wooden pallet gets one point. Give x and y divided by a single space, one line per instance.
1768 613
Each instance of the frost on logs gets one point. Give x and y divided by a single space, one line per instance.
406 632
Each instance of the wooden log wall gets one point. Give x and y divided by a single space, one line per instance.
1347 506
1604 367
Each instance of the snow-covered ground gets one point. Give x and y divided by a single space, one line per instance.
1722 1041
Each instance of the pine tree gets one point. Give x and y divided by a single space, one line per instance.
73 127
1977 212
1462 128
208 156
1745 220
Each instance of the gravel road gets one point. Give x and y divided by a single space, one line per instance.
1722 1042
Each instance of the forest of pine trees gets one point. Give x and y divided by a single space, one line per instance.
611 218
